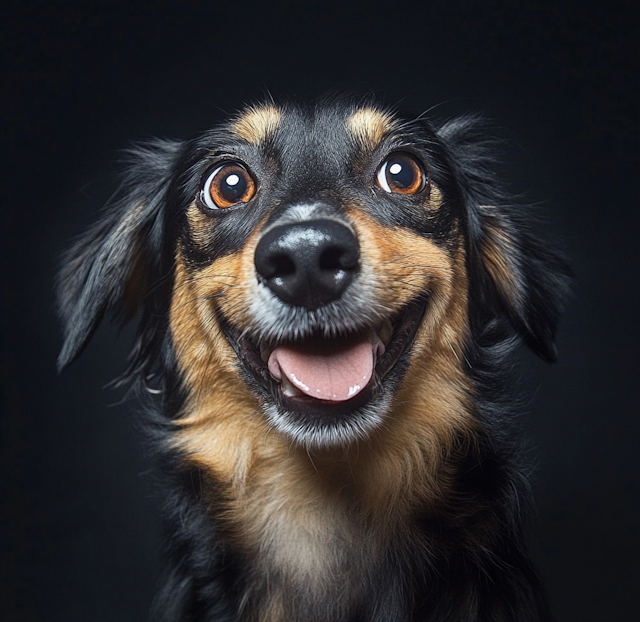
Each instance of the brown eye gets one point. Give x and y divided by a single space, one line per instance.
401 173
229 184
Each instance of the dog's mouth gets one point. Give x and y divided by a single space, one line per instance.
322 376
327 370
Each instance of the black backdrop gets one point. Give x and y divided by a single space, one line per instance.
81 527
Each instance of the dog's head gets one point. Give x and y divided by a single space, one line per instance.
317 265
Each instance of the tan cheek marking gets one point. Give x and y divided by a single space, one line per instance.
229 278
402 264
219 416
257 124
369 126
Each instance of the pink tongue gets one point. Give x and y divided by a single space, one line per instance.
335 375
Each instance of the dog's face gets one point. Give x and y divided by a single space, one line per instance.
321 269
318 261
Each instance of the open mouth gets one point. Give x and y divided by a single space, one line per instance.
321 377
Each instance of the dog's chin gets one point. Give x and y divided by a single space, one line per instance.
328 427
323 412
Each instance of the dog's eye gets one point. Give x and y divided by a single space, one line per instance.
401 173
229 184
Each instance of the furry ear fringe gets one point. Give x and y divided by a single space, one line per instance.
111 267
522 277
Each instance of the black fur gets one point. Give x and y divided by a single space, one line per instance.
476 568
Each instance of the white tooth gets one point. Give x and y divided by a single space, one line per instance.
289 389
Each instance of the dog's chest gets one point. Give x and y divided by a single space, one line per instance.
308 546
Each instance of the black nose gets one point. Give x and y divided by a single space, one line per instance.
308 264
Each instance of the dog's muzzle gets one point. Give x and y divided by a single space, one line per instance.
310 264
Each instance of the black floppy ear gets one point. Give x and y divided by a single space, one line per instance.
528 278
111 267
515 274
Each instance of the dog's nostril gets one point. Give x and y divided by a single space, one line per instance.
282 266
308 264
331 259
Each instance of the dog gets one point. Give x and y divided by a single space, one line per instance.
327 297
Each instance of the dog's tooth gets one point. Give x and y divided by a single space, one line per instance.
289 389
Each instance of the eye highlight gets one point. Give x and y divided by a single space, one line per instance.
227 185
401 173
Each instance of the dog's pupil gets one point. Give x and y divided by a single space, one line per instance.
401 175
233 187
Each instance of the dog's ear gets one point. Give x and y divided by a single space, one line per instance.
528 278
514 274
111 268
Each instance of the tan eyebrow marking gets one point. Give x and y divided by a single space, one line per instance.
257 123
369 126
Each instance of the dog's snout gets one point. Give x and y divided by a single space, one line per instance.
308 264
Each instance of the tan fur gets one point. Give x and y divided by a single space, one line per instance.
433 403
311 515
218 423
369 126
257 124
199 225
435 197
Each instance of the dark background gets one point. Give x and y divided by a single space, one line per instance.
81 527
